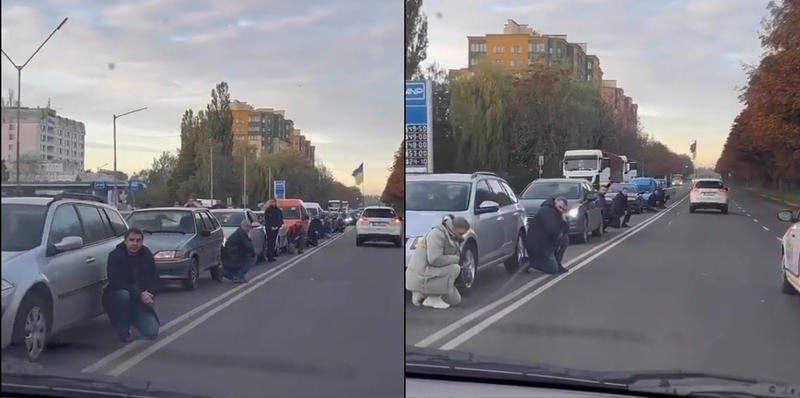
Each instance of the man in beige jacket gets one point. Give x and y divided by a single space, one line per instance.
434 266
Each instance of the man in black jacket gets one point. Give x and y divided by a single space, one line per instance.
547 239
239 255
129 297
273 218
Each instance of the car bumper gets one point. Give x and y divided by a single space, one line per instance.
9 313
389 231
576 226
710 202
173 269
379 237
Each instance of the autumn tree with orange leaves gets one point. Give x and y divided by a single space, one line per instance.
763 146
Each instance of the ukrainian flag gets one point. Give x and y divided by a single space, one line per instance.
358 173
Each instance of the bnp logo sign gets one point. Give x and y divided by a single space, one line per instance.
415 90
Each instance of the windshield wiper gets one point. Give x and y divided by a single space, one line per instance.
67 386
702 384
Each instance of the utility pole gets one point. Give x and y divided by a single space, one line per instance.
244 186
269 188
211 173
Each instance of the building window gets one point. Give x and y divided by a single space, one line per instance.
11 127
498 61
10 147
516 50
477 47
499 49
473 61
11 136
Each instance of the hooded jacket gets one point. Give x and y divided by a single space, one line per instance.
439 249
543 233
135 273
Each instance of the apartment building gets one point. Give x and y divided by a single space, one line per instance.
623 105
51 146
267 130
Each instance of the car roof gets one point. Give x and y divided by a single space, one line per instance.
228 210
45 200
169 209
453 177
378 207
569 180
707 179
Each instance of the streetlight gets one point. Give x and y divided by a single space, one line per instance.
115 149
19 85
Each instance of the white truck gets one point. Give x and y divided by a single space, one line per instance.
631 169
597 166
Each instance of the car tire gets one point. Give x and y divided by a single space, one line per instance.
398 242
724 209
216 273
691 209
465 282
33 317
190 283
513 263
359 241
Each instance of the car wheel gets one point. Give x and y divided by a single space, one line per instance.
398 242
216 273
469 268
691 209
359 241
583 237
190 283
724 209
514 262
32 325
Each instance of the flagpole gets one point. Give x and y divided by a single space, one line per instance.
363 198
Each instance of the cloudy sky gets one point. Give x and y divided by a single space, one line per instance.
680 60
335 67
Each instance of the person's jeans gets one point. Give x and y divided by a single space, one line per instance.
125 311
272 239
239 268
561 248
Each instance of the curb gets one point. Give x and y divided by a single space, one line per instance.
771 197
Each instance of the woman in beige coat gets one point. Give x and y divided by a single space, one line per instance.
434 266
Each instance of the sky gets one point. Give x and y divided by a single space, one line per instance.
681 61
335 68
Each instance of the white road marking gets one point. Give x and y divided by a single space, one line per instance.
755 220
510 296
471 332
166 327
779 239
669 223
748 215
765 228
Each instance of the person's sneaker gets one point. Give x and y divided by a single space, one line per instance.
125 335
562 270
417 298
435 302
625 226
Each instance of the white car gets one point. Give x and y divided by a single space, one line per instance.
708 193
790 252
379 223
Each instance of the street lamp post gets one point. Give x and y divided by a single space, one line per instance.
115 149
19 87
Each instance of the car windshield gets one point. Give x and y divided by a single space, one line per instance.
291 212
22 226
229 218
163 221
552 189
379 213
626 188
437 196
312 211
577 163
709 184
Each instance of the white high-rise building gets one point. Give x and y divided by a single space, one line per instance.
51 146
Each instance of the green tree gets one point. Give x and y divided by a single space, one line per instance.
394 192
416 38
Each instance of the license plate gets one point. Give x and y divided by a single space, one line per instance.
380 224
709 194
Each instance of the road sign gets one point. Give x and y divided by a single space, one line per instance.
419 126
137 186
100 185
541 160
280 189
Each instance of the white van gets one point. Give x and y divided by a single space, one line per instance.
314 209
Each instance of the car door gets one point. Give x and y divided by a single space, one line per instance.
594 208
200 242
516 211
217 237
792 255
489 227
505 217
257 235
65 271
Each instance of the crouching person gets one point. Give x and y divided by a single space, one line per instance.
129 297
434 266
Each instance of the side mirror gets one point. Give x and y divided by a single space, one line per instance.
786 216
487 206
66 244
205 232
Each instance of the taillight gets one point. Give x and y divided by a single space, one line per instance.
363 220
396 220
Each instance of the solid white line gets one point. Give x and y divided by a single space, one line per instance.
669 223
166 327
748 215
765 228
471 332
510 296
755 220
779 239
180 332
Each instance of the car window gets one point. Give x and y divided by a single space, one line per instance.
498 193
198 222
94 228
65 223
207 221
22 226
117 223
379 213
304 212
437 195
509 192
708 184
482 193
214 221
106 222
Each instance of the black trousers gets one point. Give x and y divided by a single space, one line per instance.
272 240
627 217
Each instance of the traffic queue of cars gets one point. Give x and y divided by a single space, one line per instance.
55 249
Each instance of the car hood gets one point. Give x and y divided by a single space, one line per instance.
161 241
418 223
532 206
8 256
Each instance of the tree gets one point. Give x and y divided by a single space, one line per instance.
416 38
394 193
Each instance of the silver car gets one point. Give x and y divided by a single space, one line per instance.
184 240
55 251
486 201
231 219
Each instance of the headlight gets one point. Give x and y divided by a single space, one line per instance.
415 242
7 285
170 255
573 213
224 240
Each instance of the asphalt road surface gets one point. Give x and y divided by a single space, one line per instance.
678 291
325 323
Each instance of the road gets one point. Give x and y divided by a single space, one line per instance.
325 323
695 292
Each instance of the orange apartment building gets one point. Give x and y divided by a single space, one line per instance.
266 130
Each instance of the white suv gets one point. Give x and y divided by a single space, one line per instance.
55 251
708 193
790 253
379 223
